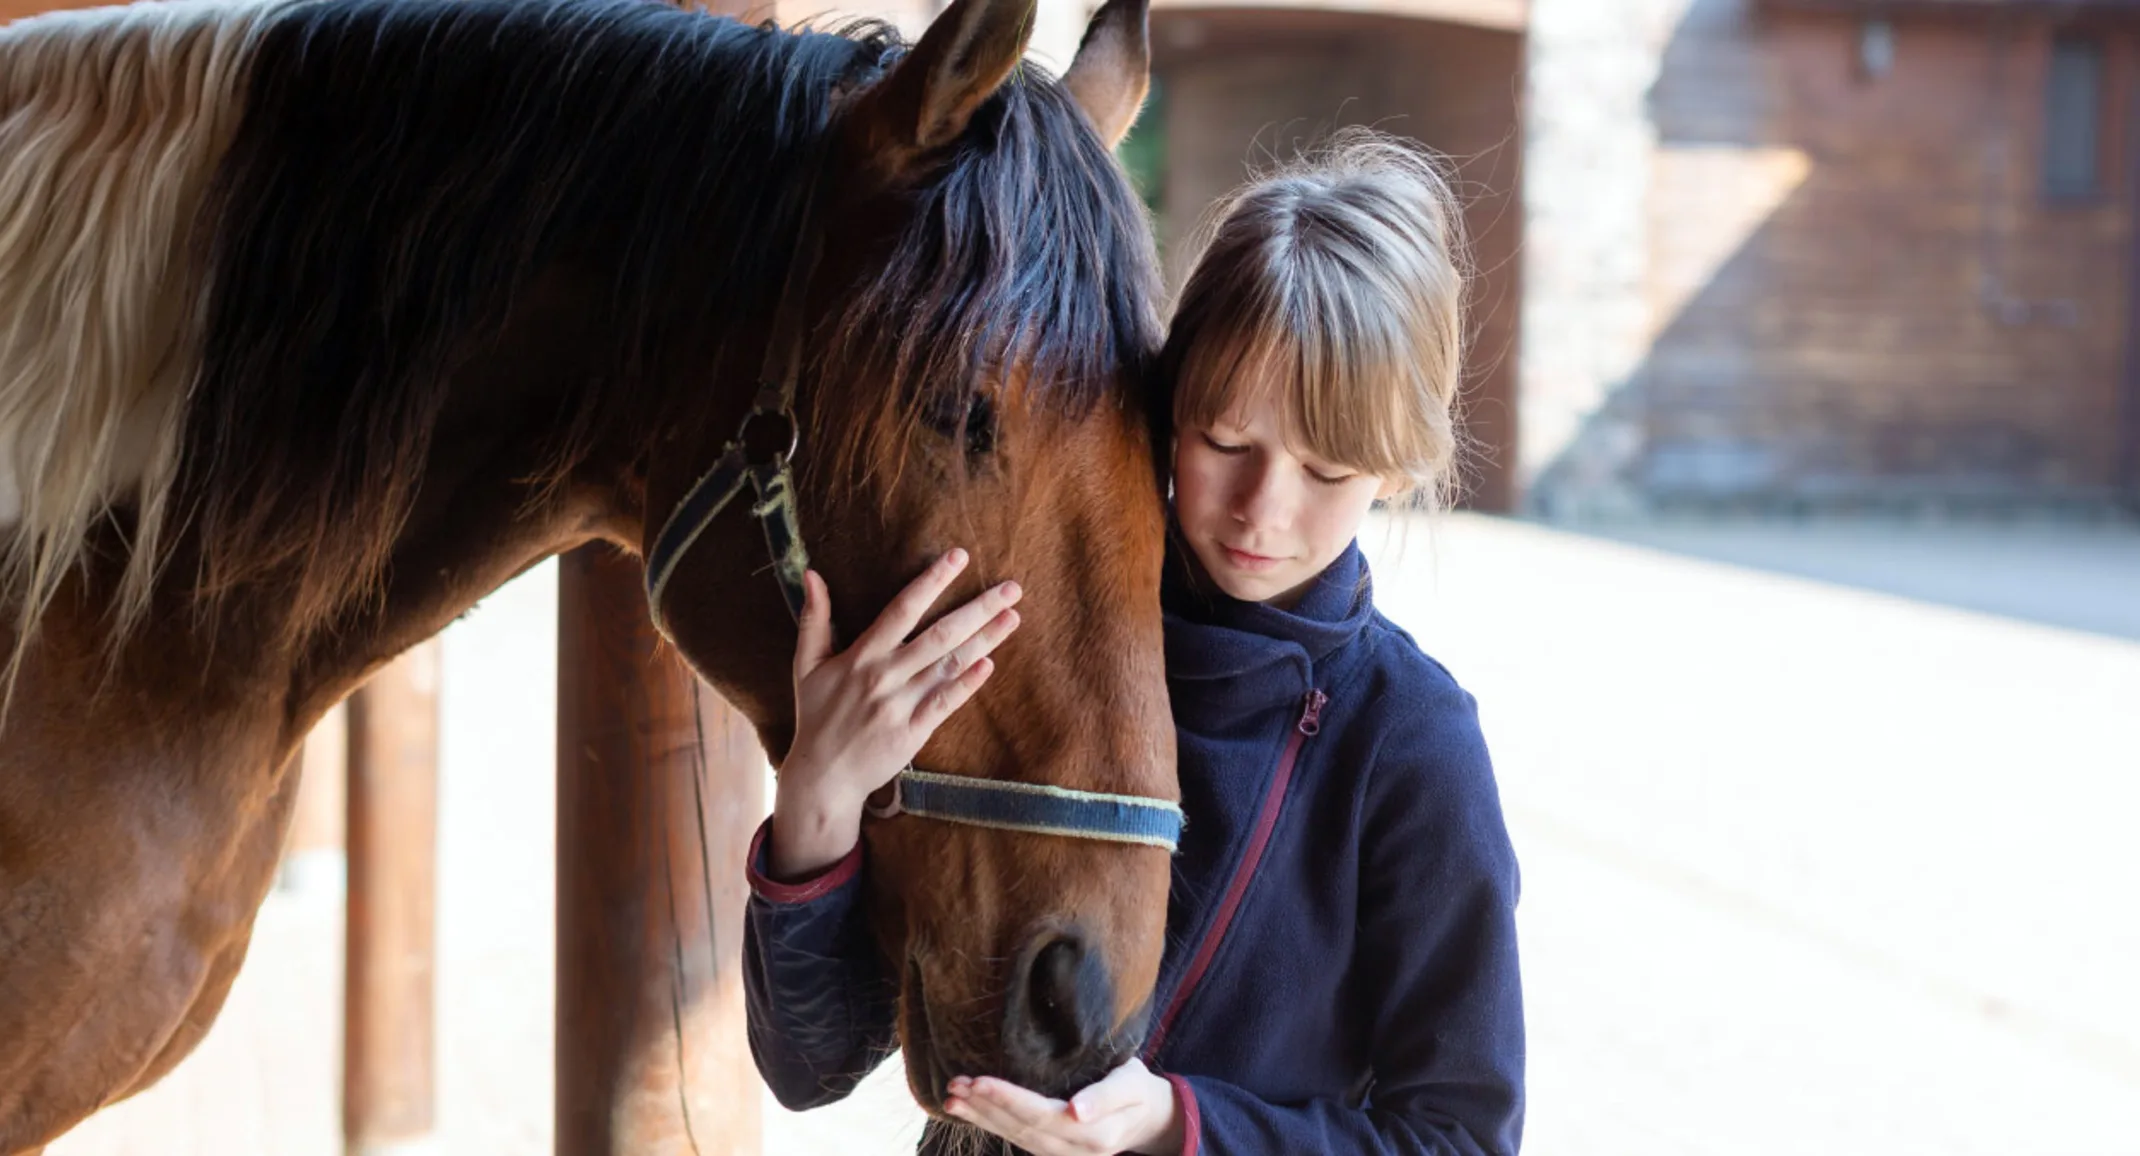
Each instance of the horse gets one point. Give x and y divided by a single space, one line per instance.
321 319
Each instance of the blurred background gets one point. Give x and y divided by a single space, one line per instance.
1799 583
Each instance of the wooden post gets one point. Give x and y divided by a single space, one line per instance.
387 1044
2126 485
313 859
652 825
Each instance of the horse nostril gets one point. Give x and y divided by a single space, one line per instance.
1066 995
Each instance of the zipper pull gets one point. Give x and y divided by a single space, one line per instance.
1311 715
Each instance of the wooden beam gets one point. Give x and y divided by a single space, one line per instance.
387 1041
652 825
1500 15
2126 484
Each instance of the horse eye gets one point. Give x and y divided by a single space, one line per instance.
977 423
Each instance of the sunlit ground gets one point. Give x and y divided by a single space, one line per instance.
1839 864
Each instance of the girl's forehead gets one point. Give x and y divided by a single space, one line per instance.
1251 398
1258 415
1255 411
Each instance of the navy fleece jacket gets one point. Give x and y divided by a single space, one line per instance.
1340 973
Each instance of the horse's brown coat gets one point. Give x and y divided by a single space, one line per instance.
146 777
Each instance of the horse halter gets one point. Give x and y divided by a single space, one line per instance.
994 803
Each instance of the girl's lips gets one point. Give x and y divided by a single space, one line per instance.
1247 561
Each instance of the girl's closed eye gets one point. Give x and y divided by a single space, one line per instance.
1330 478
1222 447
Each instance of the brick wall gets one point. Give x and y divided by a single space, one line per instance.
1854 289
1914 316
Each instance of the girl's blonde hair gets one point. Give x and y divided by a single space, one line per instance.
1340 278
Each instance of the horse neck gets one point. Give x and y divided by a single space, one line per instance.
459 546
479 520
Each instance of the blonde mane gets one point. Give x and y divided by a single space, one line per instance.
111 125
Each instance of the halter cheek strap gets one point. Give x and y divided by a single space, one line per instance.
950 798
774 485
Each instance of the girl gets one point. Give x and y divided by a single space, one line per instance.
1374 1005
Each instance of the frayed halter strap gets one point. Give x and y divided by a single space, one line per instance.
950 798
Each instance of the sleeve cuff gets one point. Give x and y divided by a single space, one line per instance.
1192 1121
802 890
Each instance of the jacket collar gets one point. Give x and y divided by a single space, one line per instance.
1213 638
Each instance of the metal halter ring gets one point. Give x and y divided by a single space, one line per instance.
781 413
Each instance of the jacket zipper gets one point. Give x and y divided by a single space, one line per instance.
1308 726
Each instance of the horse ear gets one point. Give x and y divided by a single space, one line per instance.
1113 67
962 59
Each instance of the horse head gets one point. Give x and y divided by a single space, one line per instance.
964 337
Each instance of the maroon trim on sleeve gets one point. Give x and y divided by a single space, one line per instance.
1192 1121
803 890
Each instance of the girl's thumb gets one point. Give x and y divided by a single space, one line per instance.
813 633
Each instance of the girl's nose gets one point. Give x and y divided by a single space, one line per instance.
1262 500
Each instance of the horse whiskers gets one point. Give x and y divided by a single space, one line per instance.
973 1140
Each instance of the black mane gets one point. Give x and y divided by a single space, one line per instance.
1031 251
405 168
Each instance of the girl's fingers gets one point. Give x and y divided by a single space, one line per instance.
988 1116
1021 1104
938 704
947 634
813 633
1101 1101
1013 1107
904 613
1030 1120
1126 1086
982 644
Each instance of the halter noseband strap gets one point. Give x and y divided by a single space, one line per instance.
977 802
1031 807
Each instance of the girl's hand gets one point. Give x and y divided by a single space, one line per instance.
1131 1110
860 715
